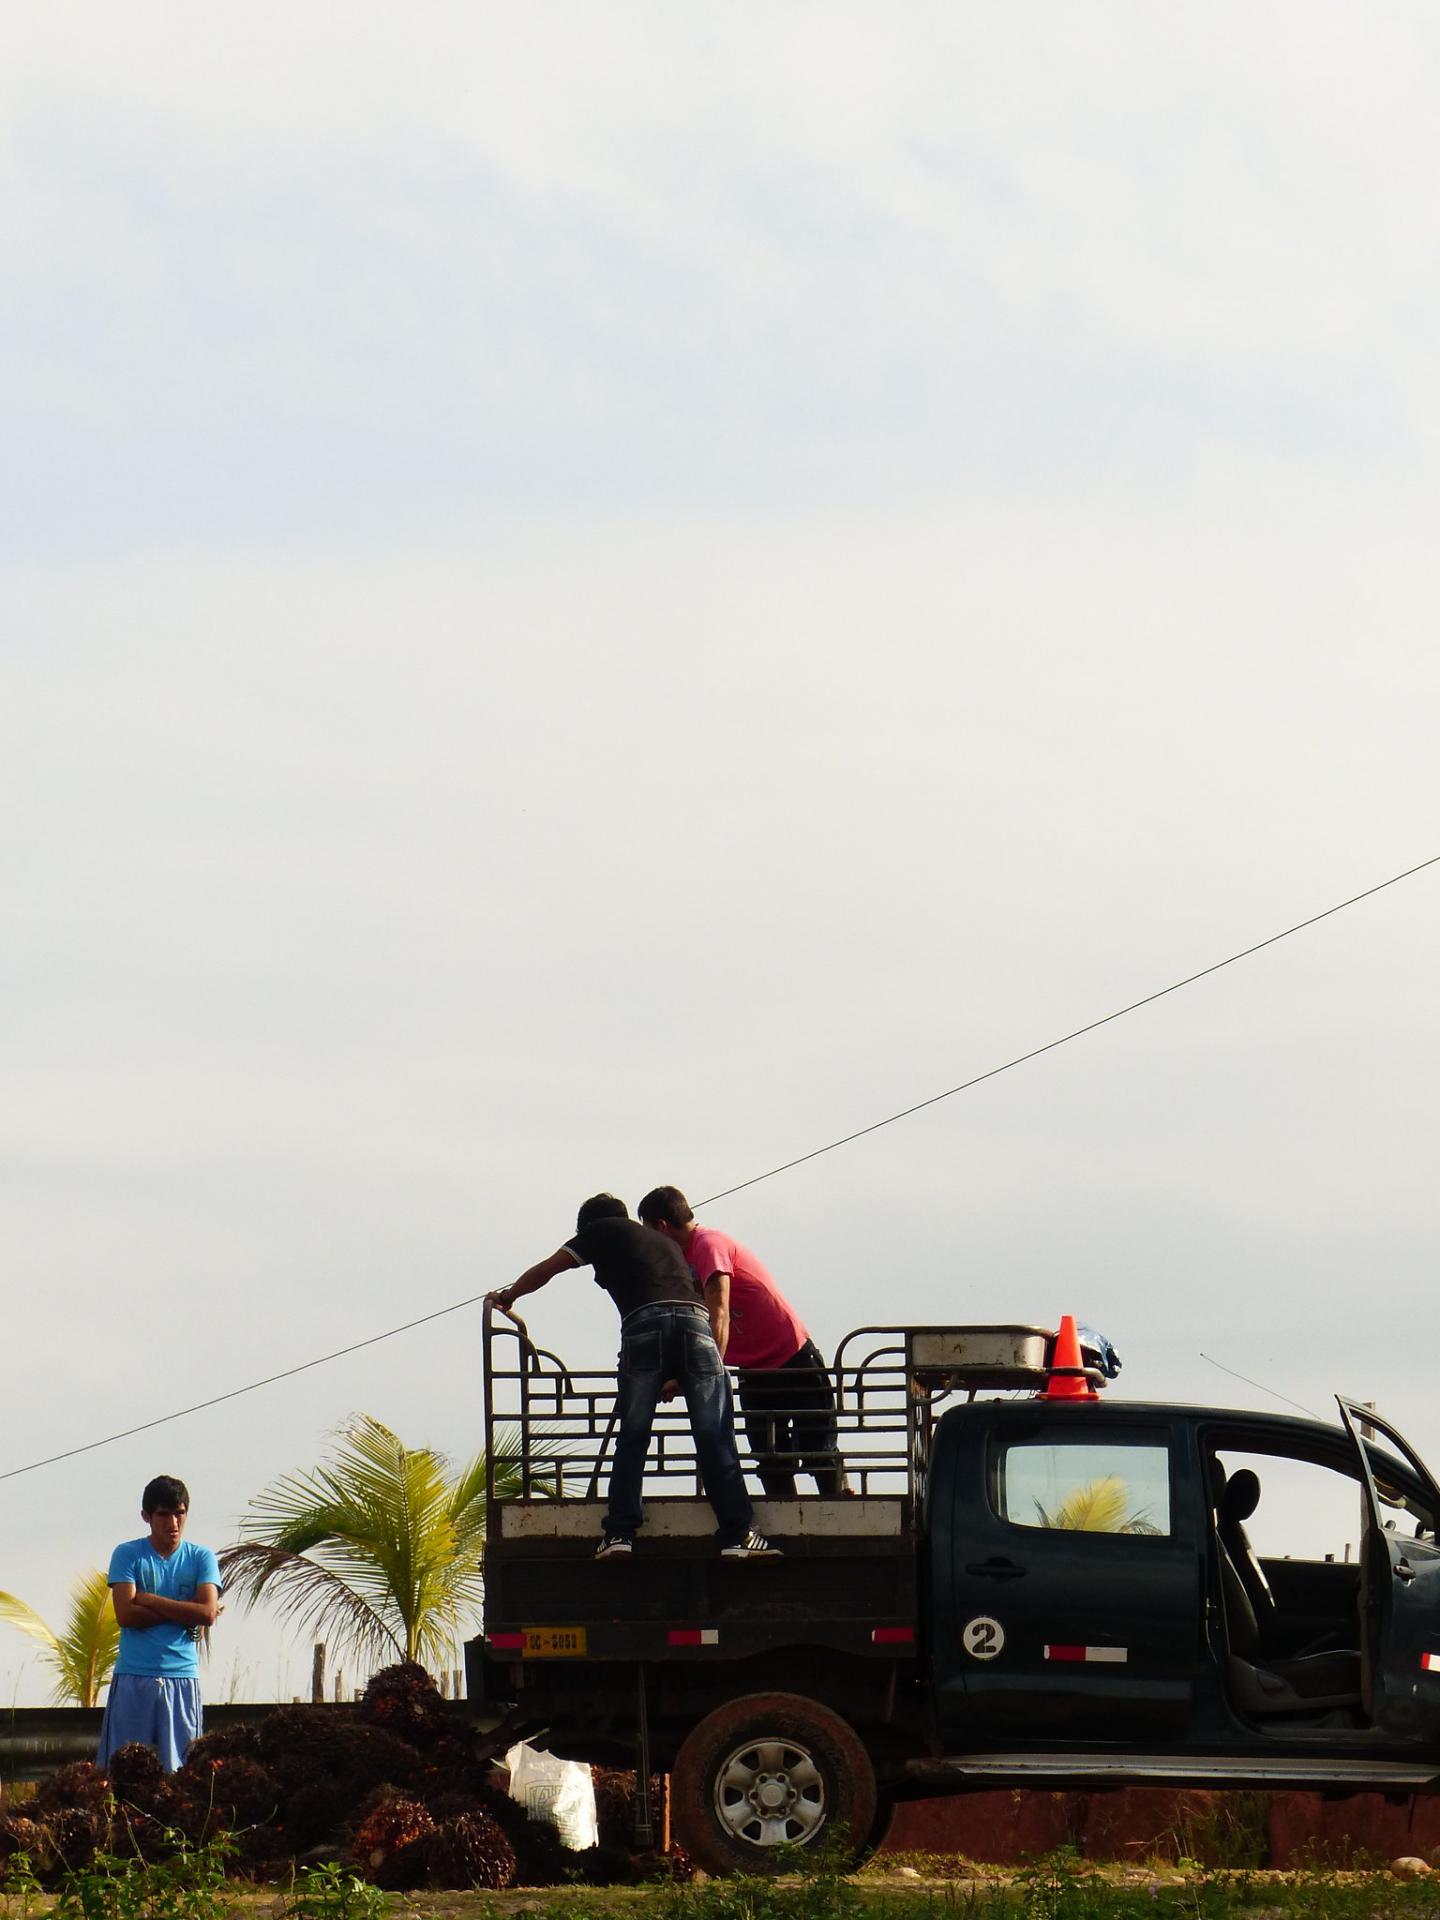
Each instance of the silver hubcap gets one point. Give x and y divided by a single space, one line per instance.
770 1793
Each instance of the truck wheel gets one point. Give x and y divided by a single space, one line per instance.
768 1772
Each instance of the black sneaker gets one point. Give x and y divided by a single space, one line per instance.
613 1545
753 1547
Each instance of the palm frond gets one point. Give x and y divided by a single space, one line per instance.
82 1657
315 1597
90 1642
1097 1506
394 1529
17 1614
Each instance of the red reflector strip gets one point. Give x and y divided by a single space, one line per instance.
508 1642
893 1636
1430 1662
693 1637
1114 1656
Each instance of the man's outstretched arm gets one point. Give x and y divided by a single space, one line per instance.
533 1278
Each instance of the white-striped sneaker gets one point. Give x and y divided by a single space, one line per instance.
753 1547
613 1545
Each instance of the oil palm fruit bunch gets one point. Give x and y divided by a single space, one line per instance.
470 1850
314 1813
264 1853
391 1844
224 1744
615 1804
78 1833
80 1784
405 1700
147 1808
18 1834
219 1790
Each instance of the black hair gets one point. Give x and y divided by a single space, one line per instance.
600 1206
666 1207
165 1494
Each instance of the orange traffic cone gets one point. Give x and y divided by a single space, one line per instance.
1067 1369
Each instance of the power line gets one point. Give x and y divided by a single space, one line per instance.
1065 1038
235 1392
785 1166
1260 1386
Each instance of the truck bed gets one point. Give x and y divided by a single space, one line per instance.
845 1575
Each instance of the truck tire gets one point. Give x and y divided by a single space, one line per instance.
885 1811
767 1773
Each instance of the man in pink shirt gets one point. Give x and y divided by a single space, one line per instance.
785 1392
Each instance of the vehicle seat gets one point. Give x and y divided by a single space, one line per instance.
1238 1499
1312 1683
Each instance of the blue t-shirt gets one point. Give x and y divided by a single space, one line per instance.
167 1648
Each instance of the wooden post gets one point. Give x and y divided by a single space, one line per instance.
339 1683
317 1673
457 1684
664 1813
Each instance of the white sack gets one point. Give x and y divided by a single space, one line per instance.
560 1791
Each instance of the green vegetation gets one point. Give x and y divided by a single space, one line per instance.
191 1885
377 1549
82 1655
332 1892
1100 1506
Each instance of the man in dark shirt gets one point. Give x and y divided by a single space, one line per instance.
664 1335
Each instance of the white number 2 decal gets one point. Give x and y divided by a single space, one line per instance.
982 1637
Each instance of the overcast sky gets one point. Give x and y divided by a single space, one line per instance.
594 595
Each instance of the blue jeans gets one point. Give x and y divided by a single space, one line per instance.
663 1343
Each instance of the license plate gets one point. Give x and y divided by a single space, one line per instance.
554 1643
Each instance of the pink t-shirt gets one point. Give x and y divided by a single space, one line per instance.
765 1330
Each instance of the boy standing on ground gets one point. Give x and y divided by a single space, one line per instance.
165 1589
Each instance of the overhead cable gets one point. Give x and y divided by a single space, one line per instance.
785 1166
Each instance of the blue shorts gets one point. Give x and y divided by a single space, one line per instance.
161 1713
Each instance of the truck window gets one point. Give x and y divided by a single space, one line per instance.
1306 1509
1085 1486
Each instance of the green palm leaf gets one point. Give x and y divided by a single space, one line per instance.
82 1655
1097 1506
377 1549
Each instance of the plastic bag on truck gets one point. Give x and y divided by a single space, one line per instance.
560 1791
1096 1351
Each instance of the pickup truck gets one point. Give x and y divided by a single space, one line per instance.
1022 1590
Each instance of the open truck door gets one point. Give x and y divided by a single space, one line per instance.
1399 1580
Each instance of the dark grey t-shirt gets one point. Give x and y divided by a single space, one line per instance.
636 1267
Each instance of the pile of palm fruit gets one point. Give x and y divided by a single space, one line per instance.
394 1791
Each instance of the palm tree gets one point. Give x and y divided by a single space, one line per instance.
1098 1506
377 1549
82 1656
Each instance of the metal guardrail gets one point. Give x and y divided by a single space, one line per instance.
35 1741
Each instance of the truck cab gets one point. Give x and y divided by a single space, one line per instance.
1024 1590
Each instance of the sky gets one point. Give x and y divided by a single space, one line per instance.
593 597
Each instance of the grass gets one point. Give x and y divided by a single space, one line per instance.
1059 1887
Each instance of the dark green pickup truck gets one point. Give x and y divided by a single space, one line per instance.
1021 1591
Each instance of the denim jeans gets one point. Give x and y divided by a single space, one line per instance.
663 1343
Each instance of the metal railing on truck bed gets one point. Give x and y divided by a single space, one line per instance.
550 1428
